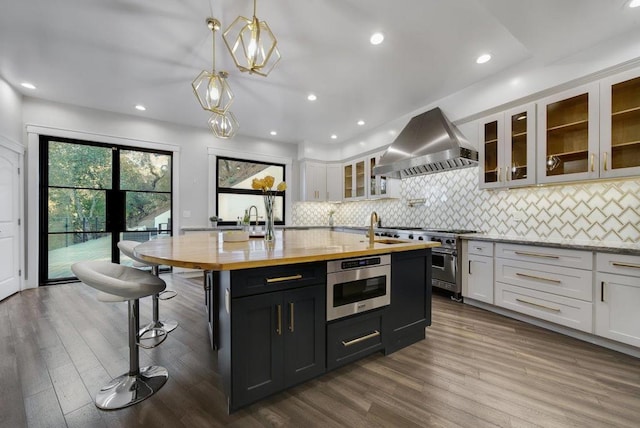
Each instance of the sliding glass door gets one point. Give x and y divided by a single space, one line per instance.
92 195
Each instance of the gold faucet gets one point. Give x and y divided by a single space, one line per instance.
256 209
374 220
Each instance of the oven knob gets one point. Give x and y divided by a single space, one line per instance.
410 236
396 236
437 240
449 241
420 238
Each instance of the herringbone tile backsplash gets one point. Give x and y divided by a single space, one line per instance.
601 211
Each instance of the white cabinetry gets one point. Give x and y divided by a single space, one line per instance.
538 281
618 297
360 183
507 148
568 134
477 270
620 125
321 182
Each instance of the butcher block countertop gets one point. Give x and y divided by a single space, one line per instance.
207 251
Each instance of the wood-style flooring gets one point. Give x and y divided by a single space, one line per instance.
59 345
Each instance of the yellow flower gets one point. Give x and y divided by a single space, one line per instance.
268 182
257 184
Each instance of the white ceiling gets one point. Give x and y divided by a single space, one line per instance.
113 54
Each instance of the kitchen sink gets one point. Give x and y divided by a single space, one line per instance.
389 241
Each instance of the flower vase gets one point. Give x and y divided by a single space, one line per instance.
269 232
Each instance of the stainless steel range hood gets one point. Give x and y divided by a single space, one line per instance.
429 143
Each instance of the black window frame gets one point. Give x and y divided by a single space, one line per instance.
229 190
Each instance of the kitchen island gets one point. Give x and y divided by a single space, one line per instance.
267 303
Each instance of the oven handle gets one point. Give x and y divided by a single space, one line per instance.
444 252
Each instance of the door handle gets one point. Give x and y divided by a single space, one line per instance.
291 317
279 315
605 160
469 267
593 158
602 291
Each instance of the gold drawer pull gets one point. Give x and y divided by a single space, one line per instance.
538 305
629 265
283 278
279 315
546 256
361 339
538 277
292 318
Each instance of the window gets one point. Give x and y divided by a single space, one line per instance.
234 194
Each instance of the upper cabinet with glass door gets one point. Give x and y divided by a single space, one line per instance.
507 148
381 186
620 125
355 180
568 135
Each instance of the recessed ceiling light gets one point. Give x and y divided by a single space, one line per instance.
634 3
312 97
376 38
273 133
140 107
362 143
334 136
28 85
483 58
361 122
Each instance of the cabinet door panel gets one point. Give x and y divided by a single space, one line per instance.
568 135
479 278
257 347
519 140
304 331
620 125
617 303
490 153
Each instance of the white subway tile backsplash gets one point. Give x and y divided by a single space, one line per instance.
608 211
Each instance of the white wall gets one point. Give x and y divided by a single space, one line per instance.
10 112
193 144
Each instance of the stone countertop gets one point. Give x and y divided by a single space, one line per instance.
629 248
207 250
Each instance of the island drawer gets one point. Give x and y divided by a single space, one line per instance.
248 282
353 338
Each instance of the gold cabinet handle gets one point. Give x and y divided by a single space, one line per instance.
593 158
283 278
546 256
629 265
361 339
499 174
525 275
507 174
605 160
538 305
279 315
291 317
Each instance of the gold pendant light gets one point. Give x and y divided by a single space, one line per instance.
214 94
223 125
252 44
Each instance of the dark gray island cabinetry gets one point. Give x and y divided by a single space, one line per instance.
268 302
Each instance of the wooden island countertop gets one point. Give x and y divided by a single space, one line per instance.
208 251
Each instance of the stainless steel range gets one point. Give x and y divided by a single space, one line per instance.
446 266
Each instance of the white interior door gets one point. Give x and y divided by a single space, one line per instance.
9 228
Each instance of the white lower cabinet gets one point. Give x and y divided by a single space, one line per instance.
477 275
618 298
536 281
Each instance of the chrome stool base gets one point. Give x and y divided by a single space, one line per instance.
150 331
127 390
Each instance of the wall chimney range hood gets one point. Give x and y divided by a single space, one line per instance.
429 143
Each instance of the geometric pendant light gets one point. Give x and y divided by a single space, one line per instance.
252 45
214 94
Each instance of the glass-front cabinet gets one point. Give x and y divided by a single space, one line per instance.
355 180
568 135
620 125
507 149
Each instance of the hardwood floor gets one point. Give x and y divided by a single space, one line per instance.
59 345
